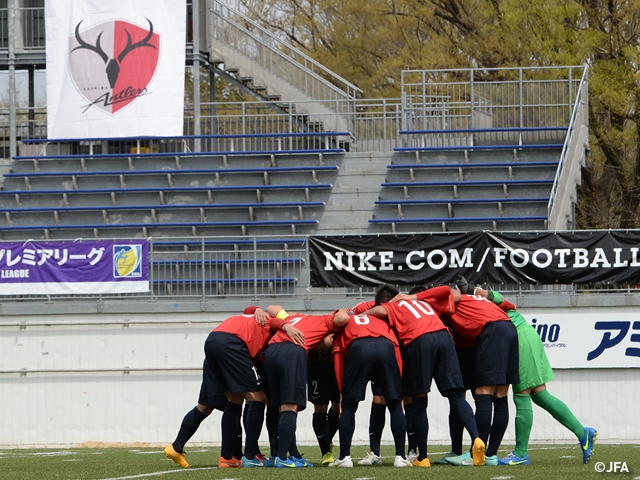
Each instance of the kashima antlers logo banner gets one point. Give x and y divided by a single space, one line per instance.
115 69
112 63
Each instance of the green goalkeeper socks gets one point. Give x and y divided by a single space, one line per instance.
559 410
524 422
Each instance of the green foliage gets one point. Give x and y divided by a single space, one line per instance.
370 42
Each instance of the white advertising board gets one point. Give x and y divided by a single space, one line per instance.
588 339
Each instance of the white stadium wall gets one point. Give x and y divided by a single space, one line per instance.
130 378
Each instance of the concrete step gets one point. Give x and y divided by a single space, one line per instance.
353 197
367 182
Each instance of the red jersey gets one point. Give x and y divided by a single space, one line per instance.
362 307
412 318
360 326
440 298
249 331
472 314
314 328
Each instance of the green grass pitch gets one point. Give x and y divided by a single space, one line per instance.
547 462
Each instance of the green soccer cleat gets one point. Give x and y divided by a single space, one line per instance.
327 458
459 459
443 460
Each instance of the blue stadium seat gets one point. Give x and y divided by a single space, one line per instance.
479 147
194 171
192 226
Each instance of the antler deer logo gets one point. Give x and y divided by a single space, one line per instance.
113 65
128 55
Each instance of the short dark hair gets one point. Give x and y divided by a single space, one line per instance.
385 293
417 289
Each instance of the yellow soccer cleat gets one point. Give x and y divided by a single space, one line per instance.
421 463
176 457
327 458
478 452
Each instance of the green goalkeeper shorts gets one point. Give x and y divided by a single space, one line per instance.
534 367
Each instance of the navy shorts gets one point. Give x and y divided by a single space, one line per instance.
322 384
497 356
431 356
371 359
231 364
376 390
467 361
263 376
209 393
286 367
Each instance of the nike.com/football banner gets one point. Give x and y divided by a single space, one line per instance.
115 69
587 257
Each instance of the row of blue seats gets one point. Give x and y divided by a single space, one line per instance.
181 206
193 171
193 226
312 151
213 188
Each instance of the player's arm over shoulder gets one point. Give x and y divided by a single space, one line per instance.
340 318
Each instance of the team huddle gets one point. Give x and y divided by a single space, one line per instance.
463 338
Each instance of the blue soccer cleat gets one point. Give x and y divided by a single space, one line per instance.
587 442
246 463
267 462
301 462
512 459
288 463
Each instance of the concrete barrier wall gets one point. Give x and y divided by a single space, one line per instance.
130 378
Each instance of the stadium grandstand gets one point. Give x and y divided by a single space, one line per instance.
300 198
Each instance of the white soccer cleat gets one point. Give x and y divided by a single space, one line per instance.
371 459
346 462
411 456
401 462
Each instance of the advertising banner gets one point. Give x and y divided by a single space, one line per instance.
101 266
588 338
115 69
587 257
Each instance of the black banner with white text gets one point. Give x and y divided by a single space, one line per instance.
589 257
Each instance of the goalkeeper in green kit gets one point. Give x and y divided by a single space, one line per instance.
535 371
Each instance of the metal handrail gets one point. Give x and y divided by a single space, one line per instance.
562 165
349 90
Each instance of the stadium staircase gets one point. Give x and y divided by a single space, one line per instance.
271 70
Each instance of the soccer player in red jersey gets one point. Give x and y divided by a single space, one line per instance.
477 321
231 349
208 401
322 389
367 350
286 369
430 354
378 406
535 371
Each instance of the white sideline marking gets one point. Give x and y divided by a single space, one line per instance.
501 478
568 456
54 454
162 472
